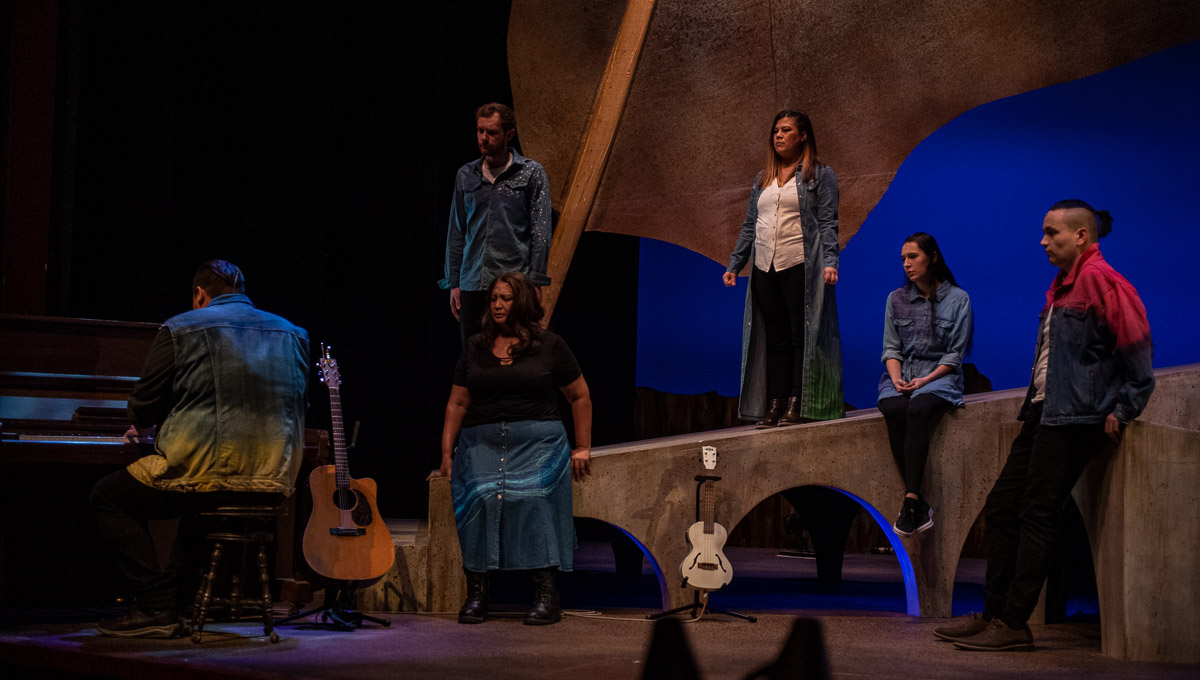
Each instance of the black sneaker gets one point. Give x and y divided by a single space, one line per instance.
923 516
906 523
147 623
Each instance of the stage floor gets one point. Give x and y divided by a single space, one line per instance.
864 637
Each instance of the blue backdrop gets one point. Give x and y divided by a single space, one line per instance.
1125 140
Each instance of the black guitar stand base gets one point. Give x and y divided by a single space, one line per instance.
696 606
337 615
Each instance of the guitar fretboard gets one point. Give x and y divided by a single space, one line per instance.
707 503
341 463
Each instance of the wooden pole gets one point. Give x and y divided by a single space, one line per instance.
588 168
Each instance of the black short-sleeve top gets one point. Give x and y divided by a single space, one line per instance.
526 389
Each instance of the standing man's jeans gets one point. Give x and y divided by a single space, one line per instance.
122 506
1024 508
474 305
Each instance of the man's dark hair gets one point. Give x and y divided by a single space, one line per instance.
937 261
508 119
1103 218
219 277
523 318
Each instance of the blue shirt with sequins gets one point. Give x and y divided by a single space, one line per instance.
924 333
498 227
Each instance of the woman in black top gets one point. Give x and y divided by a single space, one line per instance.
511 477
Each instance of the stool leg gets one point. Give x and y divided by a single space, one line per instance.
235 587
268 619
200 608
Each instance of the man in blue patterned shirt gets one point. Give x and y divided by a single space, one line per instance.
499 219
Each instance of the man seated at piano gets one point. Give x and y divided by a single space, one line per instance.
224 386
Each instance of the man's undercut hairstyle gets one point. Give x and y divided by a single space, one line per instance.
219 277
1104 220
508 119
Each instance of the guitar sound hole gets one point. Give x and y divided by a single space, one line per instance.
354 501
345 499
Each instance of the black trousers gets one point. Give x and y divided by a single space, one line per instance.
470 314
779 296
910 422
122 506
1024 509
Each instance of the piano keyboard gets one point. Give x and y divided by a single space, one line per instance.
79 439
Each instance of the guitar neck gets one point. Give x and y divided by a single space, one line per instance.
707 506
340 462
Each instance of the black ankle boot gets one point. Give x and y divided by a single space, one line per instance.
475 609
774 413
792 415
545 610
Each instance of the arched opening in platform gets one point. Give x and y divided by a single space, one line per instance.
612 569
1071 592
818 547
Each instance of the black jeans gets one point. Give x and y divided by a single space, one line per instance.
122 506
910 422
1024 508
470 314
779 296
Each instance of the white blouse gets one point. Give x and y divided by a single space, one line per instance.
778 238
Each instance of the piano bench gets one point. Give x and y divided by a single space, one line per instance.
239 527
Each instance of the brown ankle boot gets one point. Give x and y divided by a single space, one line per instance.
774 412
792 415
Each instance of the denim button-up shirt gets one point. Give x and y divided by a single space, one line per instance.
921 343
498 227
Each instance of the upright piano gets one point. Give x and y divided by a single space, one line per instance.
63 387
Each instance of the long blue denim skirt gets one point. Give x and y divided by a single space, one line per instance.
511 484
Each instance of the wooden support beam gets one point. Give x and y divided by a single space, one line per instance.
588 168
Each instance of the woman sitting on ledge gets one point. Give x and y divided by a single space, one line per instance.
926 332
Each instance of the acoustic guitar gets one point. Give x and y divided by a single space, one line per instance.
706 567
345 538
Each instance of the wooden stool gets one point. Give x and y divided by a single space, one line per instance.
246 526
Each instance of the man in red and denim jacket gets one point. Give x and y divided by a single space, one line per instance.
1092 374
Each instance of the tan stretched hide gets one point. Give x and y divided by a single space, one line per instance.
875 77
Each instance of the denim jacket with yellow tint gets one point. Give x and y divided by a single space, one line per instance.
226 384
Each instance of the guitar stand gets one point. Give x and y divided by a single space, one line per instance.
696 606
337 615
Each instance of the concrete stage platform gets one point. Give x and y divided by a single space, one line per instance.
1138 501
866 630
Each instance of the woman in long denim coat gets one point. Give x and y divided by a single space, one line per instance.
926 332
791 350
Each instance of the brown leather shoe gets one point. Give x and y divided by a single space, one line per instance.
998 637
774 413
961 627
792 415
